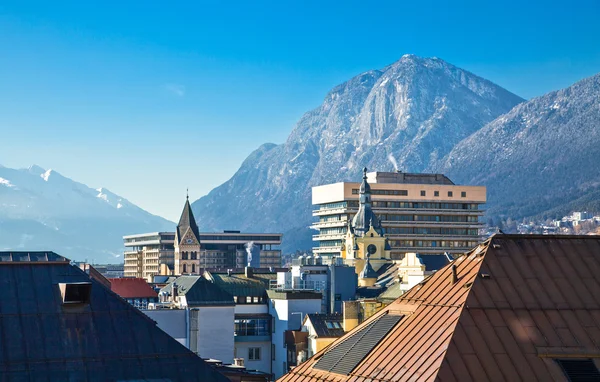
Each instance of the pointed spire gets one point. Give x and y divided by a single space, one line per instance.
365 217
368 272
187 220
187 194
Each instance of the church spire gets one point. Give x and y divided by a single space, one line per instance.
187 221
365 218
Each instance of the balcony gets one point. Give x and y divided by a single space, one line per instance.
298 285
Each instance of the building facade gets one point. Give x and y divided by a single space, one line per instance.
145 252
424 213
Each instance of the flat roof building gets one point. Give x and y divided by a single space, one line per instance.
424 213
145 252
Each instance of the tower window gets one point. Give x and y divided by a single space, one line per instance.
184 268
193 268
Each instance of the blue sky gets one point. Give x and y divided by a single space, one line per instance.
147 99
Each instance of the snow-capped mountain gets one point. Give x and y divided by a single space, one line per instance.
541 158
407 115
44 210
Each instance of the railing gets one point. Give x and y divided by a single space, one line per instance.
298 285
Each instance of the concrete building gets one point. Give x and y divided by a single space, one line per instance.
145 252
425 213
288 308
335 280
209 316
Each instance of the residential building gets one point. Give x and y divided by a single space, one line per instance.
288 308
145 252
322 330
514 308
135 291
252 321
425 213
58 324
209 315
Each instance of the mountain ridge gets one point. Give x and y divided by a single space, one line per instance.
412 111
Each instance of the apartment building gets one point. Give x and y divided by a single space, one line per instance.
145 252
424 213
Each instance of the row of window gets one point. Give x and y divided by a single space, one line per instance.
429 205
432 243
189 255
355 191
252 327
238 238
431 231
429 218
249 300
192 268
330 243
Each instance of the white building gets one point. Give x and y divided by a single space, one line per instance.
288 308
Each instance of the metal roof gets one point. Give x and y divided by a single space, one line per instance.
106 340
324 324
199 292
519 303
240 285
33 257
127 287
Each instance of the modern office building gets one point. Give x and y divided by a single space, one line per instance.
424 213
145 252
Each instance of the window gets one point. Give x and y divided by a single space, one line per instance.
193 268
578 370
184 268
423 193
463 194
450 193
436 193
254 354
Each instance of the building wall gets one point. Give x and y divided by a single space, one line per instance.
287 315
264 364
333 211
172 322
215 336
145 252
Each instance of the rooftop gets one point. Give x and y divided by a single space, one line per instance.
408 178
91 336
199 292
132 288
326 325
517 307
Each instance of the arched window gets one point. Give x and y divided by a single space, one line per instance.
193 268
184 255
194 255
184 268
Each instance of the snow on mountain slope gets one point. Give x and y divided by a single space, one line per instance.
44 210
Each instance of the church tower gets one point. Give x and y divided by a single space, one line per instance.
365 238
187 243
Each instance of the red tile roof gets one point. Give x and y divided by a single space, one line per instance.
519 302
132 288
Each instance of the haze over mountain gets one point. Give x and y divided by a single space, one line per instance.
541 158
43 210
412 112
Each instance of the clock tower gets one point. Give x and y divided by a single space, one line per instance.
364 237
187 243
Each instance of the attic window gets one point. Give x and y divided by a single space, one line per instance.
579 370
350 351
75 293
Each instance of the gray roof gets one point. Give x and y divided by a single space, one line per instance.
106 340
38 256
186 221
368 272
327 325
365 217
434 262
199 292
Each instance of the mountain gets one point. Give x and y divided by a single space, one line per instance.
409 115
43 210
540 159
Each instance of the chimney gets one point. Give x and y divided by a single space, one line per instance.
351 309
249 272
174 291
453 276
229 272
238 362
